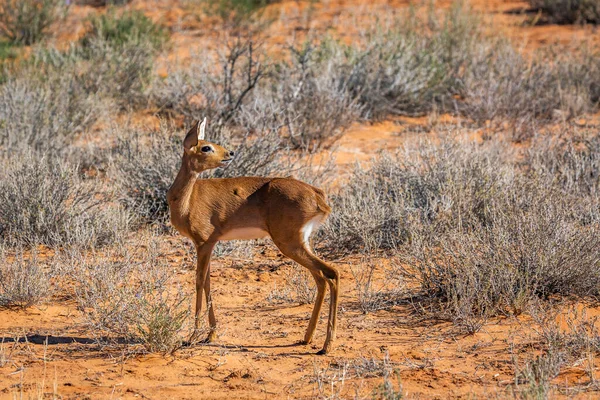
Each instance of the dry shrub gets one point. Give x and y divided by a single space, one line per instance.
144 167
503 84
45 112
27 21
402 66
309 98
384 206
200 90
483 231
411 65
23 281
299 287
303 99
129 298
43 200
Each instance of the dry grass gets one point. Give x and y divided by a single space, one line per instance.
24 282
129 298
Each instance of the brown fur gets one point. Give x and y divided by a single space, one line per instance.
206 210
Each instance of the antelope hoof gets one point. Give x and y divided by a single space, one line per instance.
322 352
212 336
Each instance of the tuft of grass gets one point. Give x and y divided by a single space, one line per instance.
23 281
27 21
129 299
299 288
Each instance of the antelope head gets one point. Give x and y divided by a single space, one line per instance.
202 155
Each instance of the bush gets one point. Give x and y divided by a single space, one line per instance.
120 50
44 201
236 12
411 66
197 91
481 233
448 64
381 207
23 282
129 28
502 84
569 11
27 21
45 113
309 98
130 298
103 3
305 98
144 168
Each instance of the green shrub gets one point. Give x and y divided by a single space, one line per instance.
128 28
120 50
236 12
27 21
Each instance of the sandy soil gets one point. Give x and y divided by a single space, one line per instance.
45 350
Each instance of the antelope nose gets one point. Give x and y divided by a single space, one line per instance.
231 153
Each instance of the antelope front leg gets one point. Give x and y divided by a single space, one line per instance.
212 320
204 251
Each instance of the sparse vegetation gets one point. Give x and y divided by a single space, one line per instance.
473 225
23 281
126 298
27 21
45 201
235 12
124 29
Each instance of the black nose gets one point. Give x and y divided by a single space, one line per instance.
231 153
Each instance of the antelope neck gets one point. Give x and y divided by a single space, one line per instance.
180 191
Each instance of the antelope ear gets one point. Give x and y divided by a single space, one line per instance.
191 139
201 130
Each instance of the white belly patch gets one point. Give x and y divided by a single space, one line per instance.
244 234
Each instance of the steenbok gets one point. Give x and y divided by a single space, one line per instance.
210 210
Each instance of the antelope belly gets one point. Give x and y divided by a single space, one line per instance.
244 234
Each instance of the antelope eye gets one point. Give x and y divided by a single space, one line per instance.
206 149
